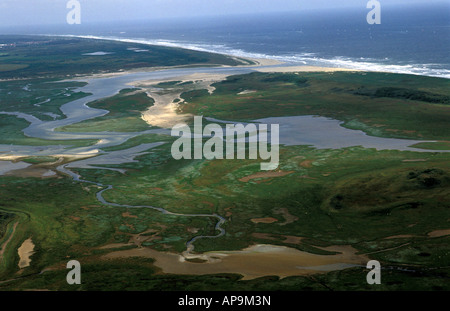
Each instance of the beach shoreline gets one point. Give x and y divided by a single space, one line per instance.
272 64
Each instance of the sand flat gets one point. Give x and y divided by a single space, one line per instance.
439 233
267 220
164 112
25 251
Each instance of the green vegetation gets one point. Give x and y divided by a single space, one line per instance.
392 206
74 224
5 219
440 145
59 57
395 92
38 97
350 196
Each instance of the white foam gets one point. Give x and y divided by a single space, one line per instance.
362 63
100 53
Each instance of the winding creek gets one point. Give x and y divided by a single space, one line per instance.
100 198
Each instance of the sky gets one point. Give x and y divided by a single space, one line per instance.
44 12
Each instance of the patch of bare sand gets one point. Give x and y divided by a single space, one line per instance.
192 230
266 220
164 112
288 217
306 163
253 262
246 92
25 252
290 239
439 233
268 174
128 215
116 245
9 157
264 236
400 236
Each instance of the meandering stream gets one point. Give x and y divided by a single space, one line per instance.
100 198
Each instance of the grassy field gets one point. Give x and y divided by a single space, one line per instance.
59 57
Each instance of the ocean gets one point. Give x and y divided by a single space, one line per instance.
410 39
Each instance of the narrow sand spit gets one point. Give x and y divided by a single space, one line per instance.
252 262
246 92
10 165
264 61
69 157
164 111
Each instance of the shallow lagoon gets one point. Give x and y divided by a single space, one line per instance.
327 133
